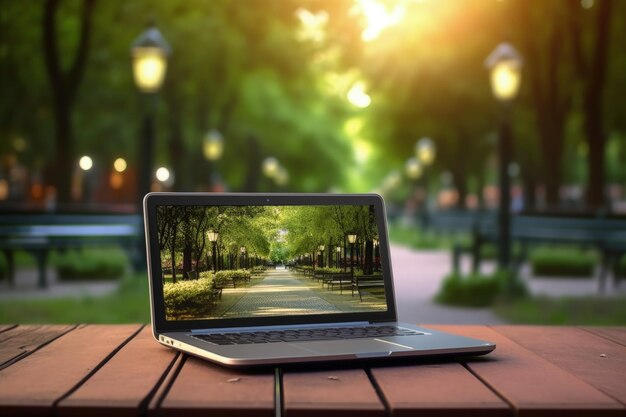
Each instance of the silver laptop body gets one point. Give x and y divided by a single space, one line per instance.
312 280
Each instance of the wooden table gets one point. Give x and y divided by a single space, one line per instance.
119 370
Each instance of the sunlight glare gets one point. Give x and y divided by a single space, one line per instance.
313 25
358 97
378 17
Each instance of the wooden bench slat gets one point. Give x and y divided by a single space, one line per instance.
616 334
32 386
22 340
202 388
530 383
334 392
5 327
446 389
577 352
125 382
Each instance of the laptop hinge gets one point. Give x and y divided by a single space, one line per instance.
279 327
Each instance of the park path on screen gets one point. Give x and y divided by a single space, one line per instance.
280 293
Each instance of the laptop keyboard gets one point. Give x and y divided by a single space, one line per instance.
305 335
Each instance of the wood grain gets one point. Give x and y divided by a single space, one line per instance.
598 361
616 334
202 388
336 392
124 383
533 385
445 389
19 341
31 386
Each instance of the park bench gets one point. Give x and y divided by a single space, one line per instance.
362 282
122 371
339 279
605 235
38 234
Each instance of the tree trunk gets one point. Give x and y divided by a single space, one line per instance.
369 255
64 85
593 106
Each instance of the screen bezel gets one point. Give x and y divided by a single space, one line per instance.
160 324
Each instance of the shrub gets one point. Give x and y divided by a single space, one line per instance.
327 270
90 264
563 263
237 277
478 290
193 297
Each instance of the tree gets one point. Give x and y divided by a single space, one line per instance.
64 85
591 67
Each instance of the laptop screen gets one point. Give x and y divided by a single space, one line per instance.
234 262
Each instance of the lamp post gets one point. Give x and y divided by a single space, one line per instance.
322 247
212 148
505 66
376 255
243 256
213 236
338 250
352 241
149 54
425 154
86 163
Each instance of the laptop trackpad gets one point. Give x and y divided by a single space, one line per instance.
360 347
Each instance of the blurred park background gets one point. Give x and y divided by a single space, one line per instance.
495 130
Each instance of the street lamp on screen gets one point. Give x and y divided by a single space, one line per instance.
505 67
352 241
212 235
321 248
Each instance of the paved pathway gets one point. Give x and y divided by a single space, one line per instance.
280 293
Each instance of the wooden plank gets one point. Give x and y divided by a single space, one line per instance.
125 383
530 383
598 361
445 389
22 340
31 387
201 388
616 334
5 327
334 392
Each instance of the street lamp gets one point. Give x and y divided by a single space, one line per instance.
322 247
149 54
86 164
213 236
270 166
338 250
352 241
425 154
505 66
212 148
413 168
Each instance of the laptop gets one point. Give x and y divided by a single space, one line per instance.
248 280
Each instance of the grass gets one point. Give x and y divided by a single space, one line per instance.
587 311
130 304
